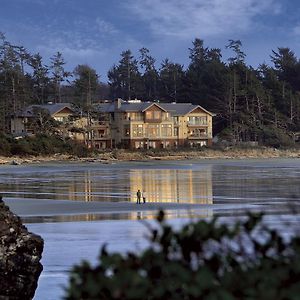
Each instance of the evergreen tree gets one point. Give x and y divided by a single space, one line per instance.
14 85
171 81
150 75
59 74
125 78
86 83
40 79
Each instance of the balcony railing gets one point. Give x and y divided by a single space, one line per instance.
197 123
152 120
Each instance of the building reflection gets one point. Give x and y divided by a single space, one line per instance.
161 185
167 185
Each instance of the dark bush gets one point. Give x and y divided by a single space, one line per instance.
275 137
5 145
203 260
22 147
41 144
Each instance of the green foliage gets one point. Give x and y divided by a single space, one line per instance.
203 260
85 84
41 144
275 137
5 145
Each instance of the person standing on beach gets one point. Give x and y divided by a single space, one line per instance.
138 197
144 196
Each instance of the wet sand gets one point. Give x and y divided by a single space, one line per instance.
40 211
33 207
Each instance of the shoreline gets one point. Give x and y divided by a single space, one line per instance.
41 211
44 208
127 155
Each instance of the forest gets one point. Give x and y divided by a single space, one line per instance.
259 104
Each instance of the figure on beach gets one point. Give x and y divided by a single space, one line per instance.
144 196
138 197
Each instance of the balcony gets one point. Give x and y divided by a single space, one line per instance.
197 123
152 120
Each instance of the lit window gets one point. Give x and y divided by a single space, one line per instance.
166 130
137 130
153 130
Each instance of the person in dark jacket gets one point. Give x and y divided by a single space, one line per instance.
138 197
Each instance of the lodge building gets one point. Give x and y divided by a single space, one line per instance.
129 124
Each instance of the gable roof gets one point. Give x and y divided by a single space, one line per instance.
200 107
154 104
181 109
51 108
175 109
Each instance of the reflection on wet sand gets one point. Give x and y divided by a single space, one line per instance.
167 185
113 185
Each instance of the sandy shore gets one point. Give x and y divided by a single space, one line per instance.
32 210
33 207
127 155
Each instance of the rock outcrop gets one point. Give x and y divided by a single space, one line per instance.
20 254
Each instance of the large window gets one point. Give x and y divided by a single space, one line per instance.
156 115
137 130
197 120
166 130
153 115
153 130
198 132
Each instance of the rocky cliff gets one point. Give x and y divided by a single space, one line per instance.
20 254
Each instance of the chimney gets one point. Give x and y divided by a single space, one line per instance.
118 103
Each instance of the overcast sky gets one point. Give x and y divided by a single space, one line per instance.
95 32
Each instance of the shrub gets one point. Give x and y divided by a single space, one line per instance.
203 260
22 147
275 137
5 145
41 144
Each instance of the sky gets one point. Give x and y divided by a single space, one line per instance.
95 32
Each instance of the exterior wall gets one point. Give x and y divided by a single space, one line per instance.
117 127
198 132
17 126
143 129
133 129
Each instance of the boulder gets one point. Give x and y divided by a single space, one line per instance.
20 255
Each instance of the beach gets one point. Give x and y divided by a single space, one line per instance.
79 206
33 207
116 155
